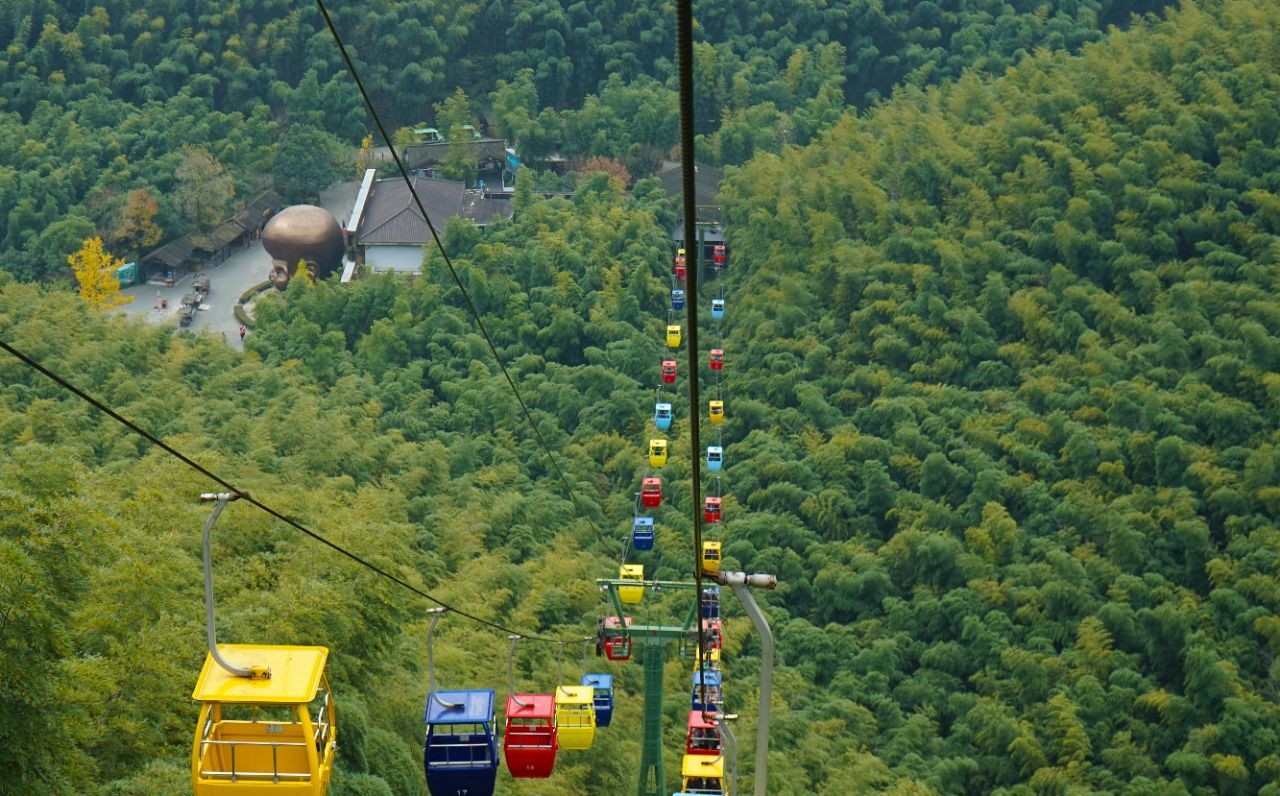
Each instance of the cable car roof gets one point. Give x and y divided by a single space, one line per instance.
536 706
697 722
702 766
477 707
598 680
575 695
295 675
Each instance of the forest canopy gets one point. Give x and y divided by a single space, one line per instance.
1002 385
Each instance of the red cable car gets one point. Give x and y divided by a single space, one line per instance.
712 510
717 359
668 371
651 492
703 737
718 255
529 742
678 265
617 646
680 270
713 630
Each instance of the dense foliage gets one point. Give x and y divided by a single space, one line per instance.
98 99
1002 381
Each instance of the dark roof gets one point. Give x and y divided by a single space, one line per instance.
706 188
711 233
391 215
419 155
257 211
174 253
224 234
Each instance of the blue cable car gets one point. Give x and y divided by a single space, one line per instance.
711 602
662 416
461 752
677 299
602 689
711 681
717 308
715 458
642 535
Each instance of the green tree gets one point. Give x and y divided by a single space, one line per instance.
307 160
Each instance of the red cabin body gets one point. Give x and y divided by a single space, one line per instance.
713 630
617 647
712 509
651 492
680 270
718 255
668 371
717 359
530 742
703 737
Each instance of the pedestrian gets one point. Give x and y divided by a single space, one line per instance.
224 337
242 331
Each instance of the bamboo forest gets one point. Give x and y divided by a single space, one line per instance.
830 398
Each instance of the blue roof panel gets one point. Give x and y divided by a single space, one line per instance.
598 680
476 707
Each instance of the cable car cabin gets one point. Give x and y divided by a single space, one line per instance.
677 299
529 741
717 308
631 573
711 512
716 357
703 738
642 533
602 695
680 258
669 368
461 752
617 645
662 416
709 682
657 452
259 737
681 271
673 335
713 629
651 492
575 716
702 774
710 660
711 602
715 411
719 256
715 458
711 556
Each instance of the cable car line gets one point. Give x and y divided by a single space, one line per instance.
246 497
435 236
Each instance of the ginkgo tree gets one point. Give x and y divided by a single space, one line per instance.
95 270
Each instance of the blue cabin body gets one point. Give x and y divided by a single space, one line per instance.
602 695
715 458
642 535
711 681
717 308
461 752
662 416
677 299
711 602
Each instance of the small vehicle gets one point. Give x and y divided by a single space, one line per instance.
201 287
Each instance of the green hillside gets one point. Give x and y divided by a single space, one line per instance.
1002 398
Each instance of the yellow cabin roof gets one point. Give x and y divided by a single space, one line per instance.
631 572
295 675
575 695
702 766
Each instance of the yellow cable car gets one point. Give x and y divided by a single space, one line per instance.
715 411
657 452
575 716
673 335
264 736
711 557
702 773
710 660
631 594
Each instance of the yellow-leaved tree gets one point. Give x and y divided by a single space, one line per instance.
364 160
95 270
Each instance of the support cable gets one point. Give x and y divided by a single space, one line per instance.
246 497
435 236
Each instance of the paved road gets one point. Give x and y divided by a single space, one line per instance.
239 272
